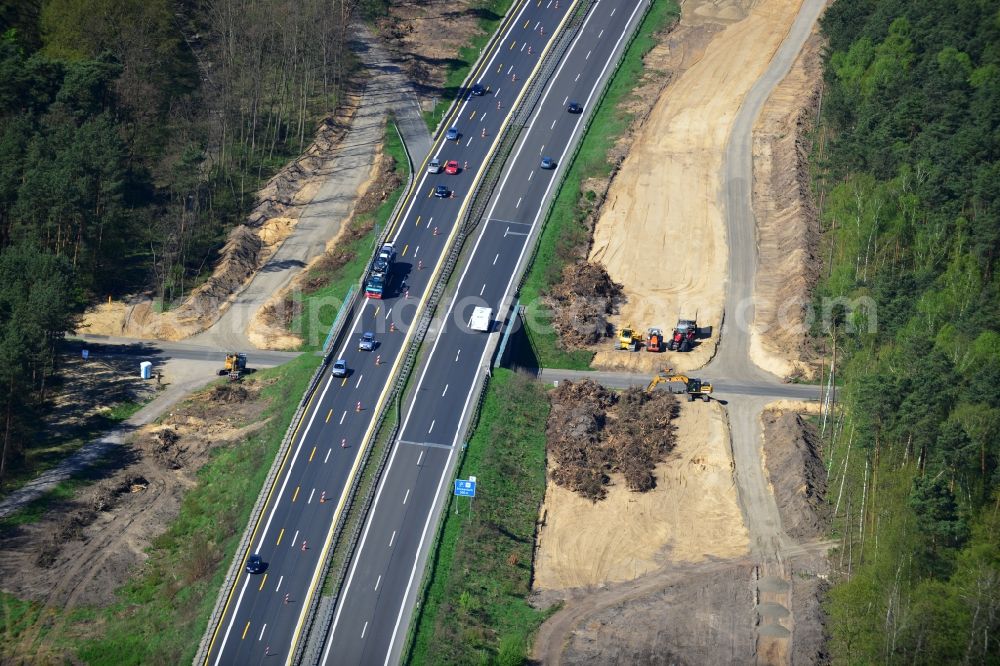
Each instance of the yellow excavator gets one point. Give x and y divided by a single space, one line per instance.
681 384
236 365
629 338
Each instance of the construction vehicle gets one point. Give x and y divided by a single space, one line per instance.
236 365
684 335
681 384
654 340
629 338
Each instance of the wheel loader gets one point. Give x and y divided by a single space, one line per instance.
236 365
629 338
681 384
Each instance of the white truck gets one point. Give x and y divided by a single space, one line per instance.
482 320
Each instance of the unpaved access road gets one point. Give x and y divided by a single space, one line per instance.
768 572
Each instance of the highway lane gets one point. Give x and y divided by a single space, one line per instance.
374 609
264 613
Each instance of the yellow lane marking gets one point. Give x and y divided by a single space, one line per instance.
328 415
512 45
499 67
529 20
376 310
312 454
327 544
262 581
403 253
280 534
418 220
296 495
245 630
260 518
472 116
344 383
429 194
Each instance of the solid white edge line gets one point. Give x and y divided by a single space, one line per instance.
423 373
444 475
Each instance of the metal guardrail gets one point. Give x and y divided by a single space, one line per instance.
483 383
333 340
480 199
236 566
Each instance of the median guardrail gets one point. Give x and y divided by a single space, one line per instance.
338 329
474 213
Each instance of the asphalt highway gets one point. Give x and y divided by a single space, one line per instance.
373 614
264 613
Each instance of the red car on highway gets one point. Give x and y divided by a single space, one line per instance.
451 167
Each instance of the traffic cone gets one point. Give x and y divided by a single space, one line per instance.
343 443
358 408
378 360
435 231
322 497
303 546
392 325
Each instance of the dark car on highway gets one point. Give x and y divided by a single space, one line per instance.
255 564
478 90
442 192
451 134
574 107
548 163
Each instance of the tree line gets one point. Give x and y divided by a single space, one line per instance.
133 136
910 179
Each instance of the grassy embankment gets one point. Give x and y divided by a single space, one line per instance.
565 229
320 307
163 611
475 609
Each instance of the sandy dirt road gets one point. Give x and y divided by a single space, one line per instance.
697 215
662 233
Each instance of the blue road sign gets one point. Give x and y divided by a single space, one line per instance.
465 488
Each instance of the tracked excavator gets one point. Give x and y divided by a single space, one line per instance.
681 384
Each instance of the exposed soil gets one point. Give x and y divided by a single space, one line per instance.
787 219
795 472
660 232
629 600
86 547
594 433
690 515
247 248
426 37
269 329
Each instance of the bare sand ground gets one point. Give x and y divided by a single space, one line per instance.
661 232
787 219
692 514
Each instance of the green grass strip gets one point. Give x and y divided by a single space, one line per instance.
565 230
475 610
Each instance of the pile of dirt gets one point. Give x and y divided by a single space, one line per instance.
796 474
248 247
593 433
787 220
84 548
581 302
